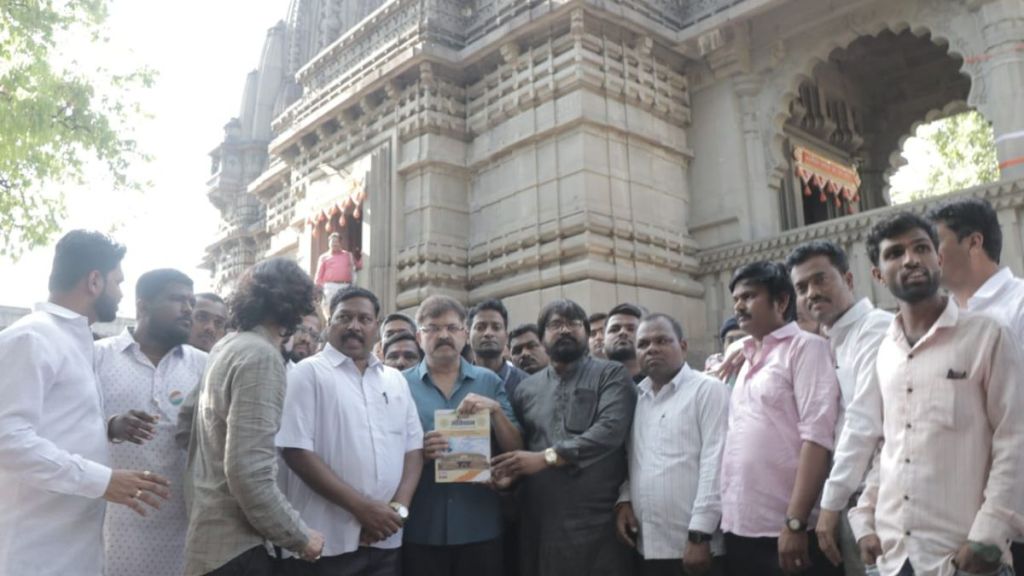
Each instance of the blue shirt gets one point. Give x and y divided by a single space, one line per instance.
452 514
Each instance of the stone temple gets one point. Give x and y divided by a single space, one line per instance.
600 150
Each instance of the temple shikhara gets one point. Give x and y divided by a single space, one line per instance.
600 150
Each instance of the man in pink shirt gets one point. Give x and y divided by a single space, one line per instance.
782 421
336 268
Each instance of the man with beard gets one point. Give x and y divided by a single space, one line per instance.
54 458
231 490
401 351
620 338
782 421
821 275
304 342
596 340
209 321
351 432
576 414
145 375
526 350
453 529
946 404
488 336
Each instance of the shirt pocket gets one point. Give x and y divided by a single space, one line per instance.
582 409
941 405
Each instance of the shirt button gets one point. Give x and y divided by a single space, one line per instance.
910 356
906 497
907 532
907 460
908 425
909 390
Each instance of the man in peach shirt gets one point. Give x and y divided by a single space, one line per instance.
945 496
337 267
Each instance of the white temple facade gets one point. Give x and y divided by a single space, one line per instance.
600 150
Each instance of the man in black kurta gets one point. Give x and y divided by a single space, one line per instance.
575 414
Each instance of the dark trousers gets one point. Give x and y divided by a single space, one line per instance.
477 559
1017 550
760 556
365 561
253 562
672 567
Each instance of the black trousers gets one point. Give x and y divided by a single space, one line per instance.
365 561
253 562
1017 550
760 556
477 559
672 567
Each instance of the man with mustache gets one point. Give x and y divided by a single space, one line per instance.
145 374
821 275
54 458
453 529
782 420
209 321
596 340
576 414
488 335
351 433
620 338
393 324
304 342
670 507
946 404
526 350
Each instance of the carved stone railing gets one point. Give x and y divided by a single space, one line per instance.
849 230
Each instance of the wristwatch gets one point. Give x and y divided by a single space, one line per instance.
550 456
795 525
696 537
400 509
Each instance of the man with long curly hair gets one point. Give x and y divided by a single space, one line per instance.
230 485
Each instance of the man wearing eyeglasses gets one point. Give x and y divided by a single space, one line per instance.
304 342
576 414
453 529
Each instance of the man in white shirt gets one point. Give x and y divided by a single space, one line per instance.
946 402
670 506
350 430
971 243
54 459
821 275
145 375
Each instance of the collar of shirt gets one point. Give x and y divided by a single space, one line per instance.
850 318
58 311
769 342
466 372
990 288
336 358
126 339
947 319
646 386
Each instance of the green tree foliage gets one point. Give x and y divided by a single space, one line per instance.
59 119
954 153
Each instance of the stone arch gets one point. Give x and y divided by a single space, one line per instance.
942 22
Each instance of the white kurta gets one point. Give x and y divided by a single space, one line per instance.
155 544
53 447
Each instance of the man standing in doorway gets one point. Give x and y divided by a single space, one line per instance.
351 432
337 267
782 421
453 529
821 275
145 374
946 404
54 458
576 414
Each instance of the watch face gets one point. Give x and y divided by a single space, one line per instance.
795 525
403 512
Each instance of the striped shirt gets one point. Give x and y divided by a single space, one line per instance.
675 454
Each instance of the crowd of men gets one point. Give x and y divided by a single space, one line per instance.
267 434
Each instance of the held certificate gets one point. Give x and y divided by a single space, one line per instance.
469 447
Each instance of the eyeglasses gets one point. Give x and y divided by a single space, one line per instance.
560 325
432 329
313 334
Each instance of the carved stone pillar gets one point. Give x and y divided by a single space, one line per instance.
1001 94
